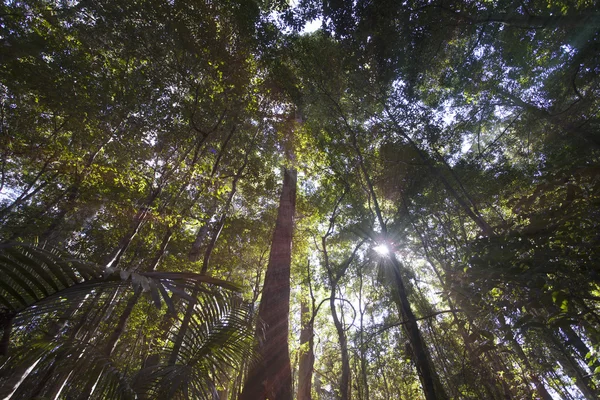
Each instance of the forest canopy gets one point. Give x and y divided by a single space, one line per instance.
209 200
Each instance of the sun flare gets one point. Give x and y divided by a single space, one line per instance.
382 249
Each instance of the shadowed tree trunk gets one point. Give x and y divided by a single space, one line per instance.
307 357
271 378
430 382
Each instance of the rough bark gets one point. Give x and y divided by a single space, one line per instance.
271 377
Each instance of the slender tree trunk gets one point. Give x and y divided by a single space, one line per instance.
183 329
195 250
570 366
429 379
307 357
539 386
122 323
221 223
136 225
345 378
363 357
581 348
489 380
26 194
271 377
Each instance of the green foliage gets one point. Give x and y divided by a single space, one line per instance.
463 135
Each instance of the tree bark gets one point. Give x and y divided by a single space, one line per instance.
271 377
539 386
136 225
345 378
183 329
307 357
221 223
429 379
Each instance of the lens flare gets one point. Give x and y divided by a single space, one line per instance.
382 249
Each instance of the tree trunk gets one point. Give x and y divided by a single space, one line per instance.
539 386
429 379
345 378
581 348
363 356
271 377
307 357
221 223
570 366
136 225
488 379
183 329
111 343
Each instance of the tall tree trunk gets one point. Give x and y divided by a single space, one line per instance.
271 377
363 356
221 223
570 366
345 378
136 225
111 343
429 379
307 357
488 379
581 348
183 329
539 386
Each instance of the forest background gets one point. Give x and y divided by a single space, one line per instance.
420 179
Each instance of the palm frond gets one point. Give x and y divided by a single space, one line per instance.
43 282
218 339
